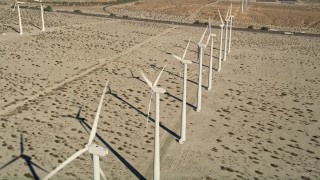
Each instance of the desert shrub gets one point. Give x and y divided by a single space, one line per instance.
197 22
264 28
113 15
250 27
77 11
48 8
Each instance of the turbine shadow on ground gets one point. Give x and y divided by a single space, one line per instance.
14 29
27 159
169 53
84 124
134 77
168 94
194 50
145 115
34 25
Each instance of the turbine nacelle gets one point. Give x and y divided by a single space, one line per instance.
158 90
17 3
183 61
202 45
186 62
97 150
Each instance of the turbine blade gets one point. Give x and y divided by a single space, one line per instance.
96 119
110 90
198 54
185 51
220 17
36 165
21 144
157 80
132 75
203 35
177 57
149 108
208 39
209 26
102 174
10 162
79 112
62 165
227 14
146 79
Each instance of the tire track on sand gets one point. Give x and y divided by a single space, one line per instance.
102 62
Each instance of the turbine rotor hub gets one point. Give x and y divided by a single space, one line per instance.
97 150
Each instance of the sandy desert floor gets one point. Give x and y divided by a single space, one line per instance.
260 120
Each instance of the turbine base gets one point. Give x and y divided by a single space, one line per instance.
181 141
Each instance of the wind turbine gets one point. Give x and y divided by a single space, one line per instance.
221 38
17 3
226 38
95 150
157 90
211 35
184 95
230 17
42 17
200 49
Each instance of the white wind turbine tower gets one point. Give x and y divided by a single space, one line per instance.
42 17
95 150
184 95
17 4
200 49
211 35
230 17
226 37
221 38
157 90
242 6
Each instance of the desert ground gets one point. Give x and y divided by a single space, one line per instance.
259 121
301 16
